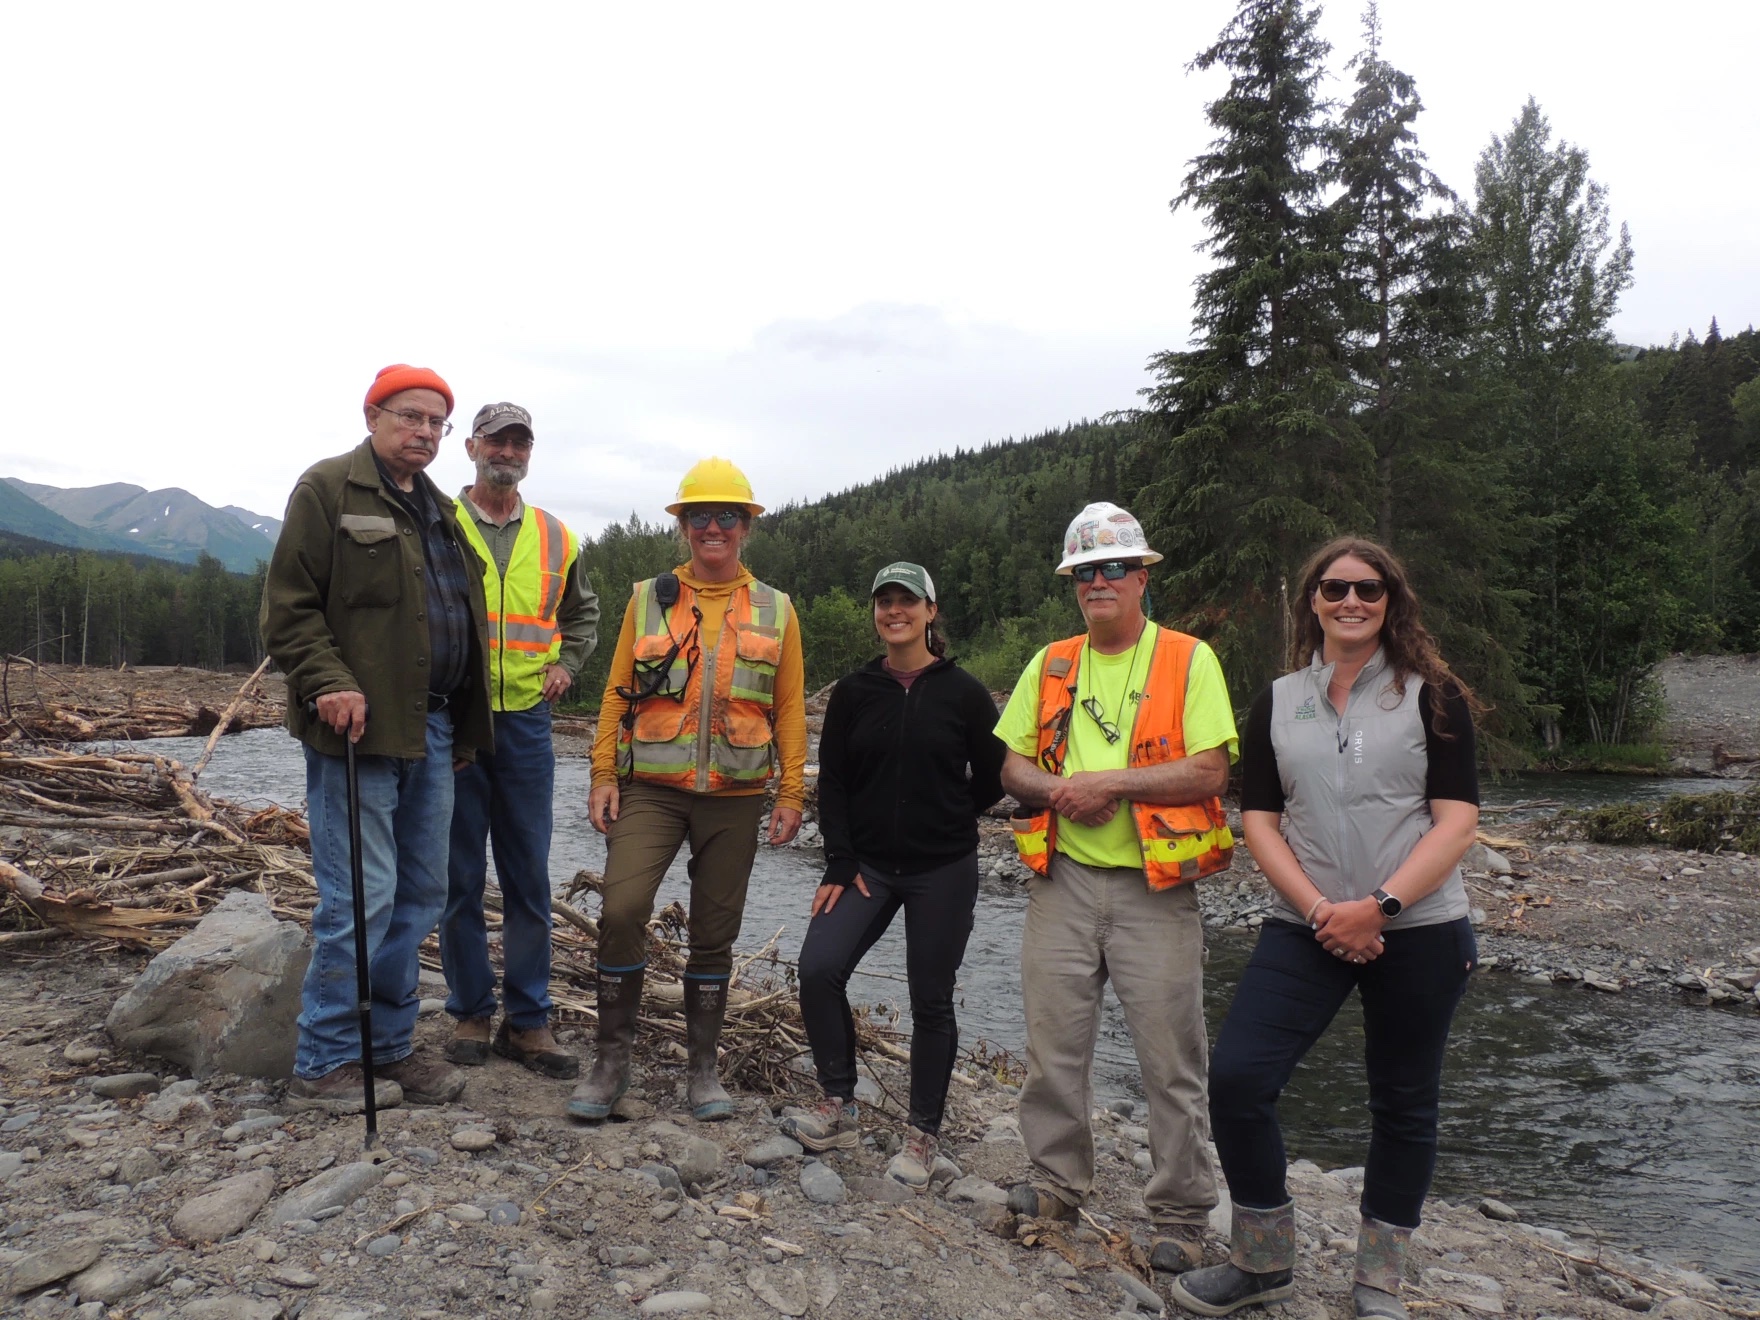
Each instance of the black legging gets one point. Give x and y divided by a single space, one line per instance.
1288 995
938 907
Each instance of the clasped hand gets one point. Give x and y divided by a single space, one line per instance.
1351 931
1084 797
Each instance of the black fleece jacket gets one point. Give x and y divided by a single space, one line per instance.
894 788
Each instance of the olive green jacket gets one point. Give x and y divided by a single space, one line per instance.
345 609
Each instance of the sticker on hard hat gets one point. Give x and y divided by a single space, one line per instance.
1120 517
1130 536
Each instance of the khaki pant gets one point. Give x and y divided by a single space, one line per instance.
653 822
1084 927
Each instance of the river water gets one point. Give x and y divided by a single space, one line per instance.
1633 1119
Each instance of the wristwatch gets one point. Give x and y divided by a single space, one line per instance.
1390 906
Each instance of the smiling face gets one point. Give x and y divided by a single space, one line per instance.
1349 625
901 618
502 457
406 450
714 549
1107 604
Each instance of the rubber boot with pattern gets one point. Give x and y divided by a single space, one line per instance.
705 1003
1261 1265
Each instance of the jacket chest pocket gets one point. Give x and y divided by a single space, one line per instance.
369 563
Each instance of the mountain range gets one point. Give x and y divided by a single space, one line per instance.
169 523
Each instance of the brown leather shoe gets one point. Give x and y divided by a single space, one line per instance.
424 1082
1177 1247
535 1049
470 1042
1033 1202
340 1091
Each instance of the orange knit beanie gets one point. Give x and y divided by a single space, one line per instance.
398 377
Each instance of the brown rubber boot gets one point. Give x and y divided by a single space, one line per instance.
620 1000
705 1003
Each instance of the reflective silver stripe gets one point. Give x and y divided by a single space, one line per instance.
753 682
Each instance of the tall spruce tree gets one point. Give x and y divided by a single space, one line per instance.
1601 543
1440 491
1261 456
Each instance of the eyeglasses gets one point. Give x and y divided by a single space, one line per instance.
521 444
415 421
1112 570
1369 590
722 518
1107 727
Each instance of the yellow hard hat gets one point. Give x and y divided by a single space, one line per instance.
714 481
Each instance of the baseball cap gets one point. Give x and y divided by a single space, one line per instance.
914 578
492 417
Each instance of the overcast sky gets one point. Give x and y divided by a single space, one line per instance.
821 240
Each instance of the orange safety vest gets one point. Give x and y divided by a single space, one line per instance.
708 724
1179 843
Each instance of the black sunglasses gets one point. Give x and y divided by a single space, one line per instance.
1369 590
1108 729
722 518
1112 570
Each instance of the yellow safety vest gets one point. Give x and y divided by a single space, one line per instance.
1179 844
708 721
523 633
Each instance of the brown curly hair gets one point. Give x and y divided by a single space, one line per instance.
1411 650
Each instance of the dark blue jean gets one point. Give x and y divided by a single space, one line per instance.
1288 995
503 801
938 907
405 807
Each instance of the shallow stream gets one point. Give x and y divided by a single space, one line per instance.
1632 1118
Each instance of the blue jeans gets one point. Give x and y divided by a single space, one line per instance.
1287 997
406 806
503 800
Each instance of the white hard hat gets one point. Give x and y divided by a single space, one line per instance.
1104 531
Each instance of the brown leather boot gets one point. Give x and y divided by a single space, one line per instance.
470 1042
535 1049
705 1003
620 1000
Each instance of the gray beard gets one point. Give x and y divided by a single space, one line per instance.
507 477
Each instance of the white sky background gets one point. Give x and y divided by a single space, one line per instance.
820 240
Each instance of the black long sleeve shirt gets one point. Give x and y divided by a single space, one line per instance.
904 773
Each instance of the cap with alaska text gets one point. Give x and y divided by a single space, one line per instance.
493 417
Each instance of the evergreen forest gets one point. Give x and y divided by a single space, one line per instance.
1375 350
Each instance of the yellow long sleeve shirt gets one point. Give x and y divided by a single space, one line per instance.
790 701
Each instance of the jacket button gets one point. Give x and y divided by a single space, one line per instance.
404 530
421 617
417 705
372 554
418 570
421 660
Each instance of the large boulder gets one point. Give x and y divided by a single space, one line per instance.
224 997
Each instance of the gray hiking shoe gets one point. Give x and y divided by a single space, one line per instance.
833 1124
914 1165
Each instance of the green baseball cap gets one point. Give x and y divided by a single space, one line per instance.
914 578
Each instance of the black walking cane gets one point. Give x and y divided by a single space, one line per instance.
358 894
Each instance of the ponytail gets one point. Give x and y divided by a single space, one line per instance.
933 639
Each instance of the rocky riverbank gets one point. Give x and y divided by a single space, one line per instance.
129 1192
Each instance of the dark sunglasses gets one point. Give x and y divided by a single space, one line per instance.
1369 590
1112 570
722 518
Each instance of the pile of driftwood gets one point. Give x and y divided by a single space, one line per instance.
127 848
36 706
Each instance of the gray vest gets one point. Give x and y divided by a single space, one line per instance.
1353 785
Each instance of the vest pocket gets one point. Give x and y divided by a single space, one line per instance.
659 721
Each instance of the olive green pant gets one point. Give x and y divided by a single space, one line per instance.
652 823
